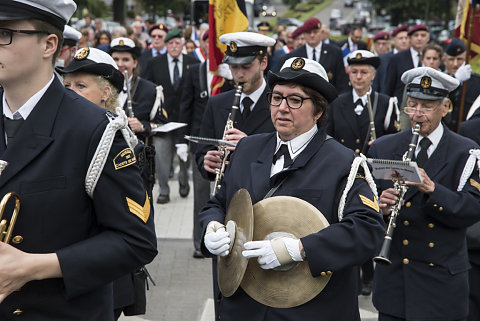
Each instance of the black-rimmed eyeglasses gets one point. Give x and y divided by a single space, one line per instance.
6 35
293 101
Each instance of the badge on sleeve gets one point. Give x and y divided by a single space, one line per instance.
373 204
124 158
142 212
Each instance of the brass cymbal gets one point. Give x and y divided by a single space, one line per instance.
231 268
284 288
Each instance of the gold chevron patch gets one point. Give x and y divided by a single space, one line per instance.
373 204
475 184
143 212
164 112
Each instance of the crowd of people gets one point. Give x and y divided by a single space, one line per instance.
309 109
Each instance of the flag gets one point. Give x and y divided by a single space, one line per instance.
465 11
345 53
194 36
224 16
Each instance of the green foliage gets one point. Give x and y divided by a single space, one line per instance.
401 11
97 8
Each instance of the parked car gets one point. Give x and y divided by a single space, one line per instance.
348 3
289 22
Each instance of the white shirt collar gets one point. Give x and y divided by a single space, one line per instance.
255 96
363 98
295 147
27 108
434 137
317 48
170 58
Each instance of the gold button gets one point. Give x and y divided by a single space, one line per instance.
17 312
323 274
357 151
17 239
357 141
342 140
405 261
405 242
408 204
431 265
431 225
406 223
329 272
435 205
431 244
440 208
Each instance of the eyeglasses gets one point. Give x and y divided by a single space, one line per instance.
293 101
422 110
157 36
6 34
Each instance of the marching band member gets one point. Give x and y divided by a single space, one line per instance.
73 236
428 277
316 169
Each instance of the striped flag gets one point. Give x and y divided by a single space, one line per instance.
465 11
224 16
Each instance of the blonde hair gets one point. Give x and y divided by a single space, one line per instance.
112 101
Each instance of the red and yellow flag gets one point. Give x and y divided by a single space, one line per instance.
466 12
224 16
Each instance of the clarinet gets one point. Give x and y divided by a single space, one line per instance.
373 135
129 97
223 149
401 187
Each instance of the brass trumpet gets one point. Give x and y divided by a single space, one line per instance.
6 229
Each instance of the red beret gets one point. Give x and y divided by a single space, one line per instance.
420 27
382 35
399 29
297 32
311 24
160 26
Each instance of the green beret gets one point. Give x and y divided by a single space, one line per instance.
174 33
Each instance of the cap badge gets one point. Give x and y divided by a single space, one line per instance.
459 49
358 56
121 43
385 37
425 82
233 46
82 54
297 64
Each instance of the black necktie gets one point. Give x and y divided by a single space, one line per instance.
247 103
314 57
422 156
283 150
419 60
176 74
11 127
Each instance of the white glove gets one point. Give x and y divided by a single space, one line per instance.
464 72
217 240
224 71
182 151
267 256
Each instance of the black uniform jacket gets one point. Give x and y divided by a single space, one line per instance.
318 176
428 278
351 130
158 72
472 91
96 240
398 64
216 113
330 59
143 99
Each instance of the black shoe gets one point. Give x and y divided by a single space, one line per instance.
184 190
162 199
366 288
198 254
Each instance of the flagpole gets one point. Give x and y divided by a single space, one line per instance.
471 18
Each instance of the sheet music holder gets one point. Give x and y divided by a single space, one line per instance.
168 127
393 169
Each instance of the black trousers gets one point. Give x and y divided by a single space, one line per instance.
386 317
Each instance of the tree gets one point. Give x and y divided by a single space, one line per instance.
402 11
